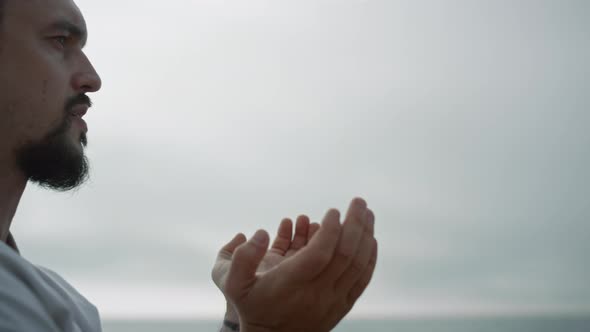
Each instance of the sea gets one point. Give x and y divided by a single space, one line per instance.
509 324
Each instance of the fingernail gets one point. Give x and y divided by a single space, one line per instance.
361 203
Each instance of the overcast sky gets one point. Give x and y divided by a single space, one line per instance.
464 124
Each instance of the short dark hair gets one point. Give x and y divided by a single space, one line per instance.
2 5
1 10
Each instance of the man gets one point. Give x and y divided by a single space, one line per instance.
307 282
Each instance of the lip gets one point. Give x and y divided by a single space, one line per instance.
81 123
79 110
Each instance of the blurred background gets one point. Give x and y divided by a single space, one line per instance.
464 124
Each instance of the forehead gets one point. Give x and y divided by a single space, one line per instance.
40 13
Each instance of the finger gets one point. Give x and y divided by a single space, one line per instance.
313 258
355 270
371 222
245 261
228 249
224 259
359 264
360 286
300 237
283 240
353 229
313 228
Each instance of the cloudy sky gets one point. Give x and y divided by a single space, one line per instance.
464 124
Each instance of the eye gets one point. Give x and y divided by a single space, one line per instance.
61 40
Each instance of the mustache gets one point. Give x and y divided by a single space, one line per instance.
77 100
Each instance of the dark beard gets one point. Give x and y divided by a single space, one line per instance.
53 162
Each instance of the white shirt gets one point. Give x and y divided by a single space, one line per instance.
33 298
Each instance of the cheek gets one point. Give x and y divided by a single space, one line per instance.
34 88
33 111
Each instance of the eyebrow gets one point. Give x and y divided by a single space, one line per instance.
72 29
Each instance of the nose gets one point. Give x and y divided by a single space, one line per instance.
86 79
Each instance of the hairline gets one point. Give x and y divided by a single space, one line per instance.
2 8
2 3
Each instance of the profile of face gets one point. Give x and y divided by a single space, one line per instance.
44 80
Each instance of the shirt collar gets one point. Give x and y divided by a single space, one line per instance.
11 243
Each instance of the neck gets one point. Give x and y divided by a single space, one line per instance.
12 186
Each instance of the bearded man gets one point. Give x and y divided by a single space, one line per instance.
305 282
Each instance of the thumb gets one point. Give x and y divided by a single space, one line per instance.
246 259
227 251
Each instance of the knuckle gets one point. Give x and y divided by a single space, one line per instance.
347 305
359 220
370 216
372 262
357 267
354 294
345 256
357 290
333 231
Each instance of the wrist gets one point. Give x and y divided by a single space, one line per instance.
231 314
231 320
229 326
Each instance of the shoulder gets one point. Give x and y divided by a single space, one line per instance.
21 308
86 308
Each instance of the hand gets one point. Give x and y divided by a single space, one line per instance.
313 289
284 246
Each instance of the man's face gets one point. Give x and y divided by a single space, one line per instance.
44 76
